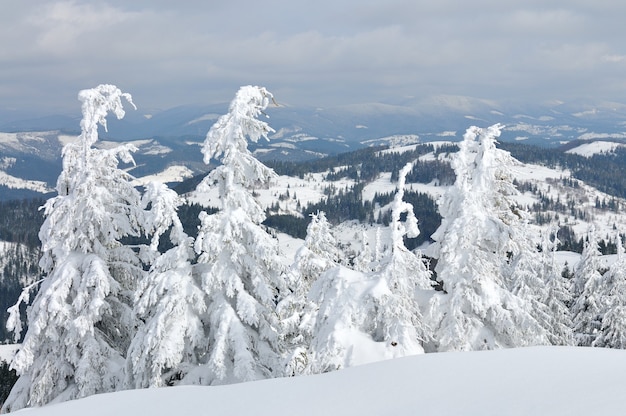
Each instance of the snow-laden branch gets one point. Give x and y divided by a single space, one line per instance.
14 322
97 103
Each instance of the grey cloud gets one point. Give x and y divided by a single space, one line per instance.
314 53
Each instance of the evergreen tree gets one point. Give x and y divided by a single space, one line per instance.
318 254
320 251
472 246
239 264
589 305
613 292
557 296
169 301
376 311
363 260
398 319
80 323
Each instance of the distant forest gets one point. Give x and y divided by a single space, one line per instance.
20 220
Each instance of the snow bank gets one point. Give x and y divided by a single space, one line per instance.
529 381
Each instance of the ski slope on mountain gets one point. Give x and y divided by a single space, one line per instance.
528 381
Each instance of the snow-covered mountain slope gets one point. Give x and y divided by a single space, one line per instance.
170 137
593 148
13 182
538 381
548 194
171 174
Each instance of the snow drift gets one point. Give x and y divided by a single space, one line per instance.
524 381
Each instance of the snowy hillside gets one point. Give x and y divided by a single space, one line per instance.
574 203
593 148
536 381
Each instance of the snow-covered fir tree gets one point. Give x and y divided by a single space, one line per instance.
363 260
319 253
526 272
239 262
589 305
377 311
557 296
169 301
80 323
398 319
338 326
472 246
613 293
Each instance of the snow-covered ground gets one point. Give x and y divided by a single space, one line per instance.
18 183
7 351
590 149
555 381
169 175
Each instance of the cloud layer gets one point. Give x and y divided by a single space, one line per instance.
316 53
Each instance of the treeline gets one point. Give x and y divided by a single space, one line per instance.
604 171
20 221
20 267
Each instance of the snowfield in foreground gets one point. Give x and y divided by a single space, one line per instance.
526 381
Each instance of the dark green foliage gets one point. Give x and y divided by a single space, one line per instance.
21 265
20 221
8 378
425 209
343 206
432 170
351 159
190 184
288 224
188 214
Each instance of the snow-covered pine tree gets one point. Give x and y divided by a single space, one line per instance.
239 262
80 323
364 317
589 305
526 271
169 301
363 260
319 253
398 319
557 296
613 294
472 248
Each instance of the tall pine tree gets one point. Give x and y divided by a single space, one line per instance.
80 324
239 263
472 247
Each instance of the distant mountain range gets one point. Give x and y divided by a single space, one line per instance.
30 147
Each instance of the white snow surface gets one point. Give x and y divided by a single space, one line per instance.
535 381
7 351
590 149
169 175
19 183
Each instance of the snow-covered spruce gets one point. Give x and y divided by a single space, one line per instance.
80 323
397 318
168 301
557 296
589 305
472 246
319 253
364 317
613 293
239 263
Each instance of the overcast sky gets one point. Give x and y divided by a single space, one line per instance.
317 53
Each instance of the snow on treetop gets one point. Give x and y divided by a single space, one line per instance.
231 129
97 103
